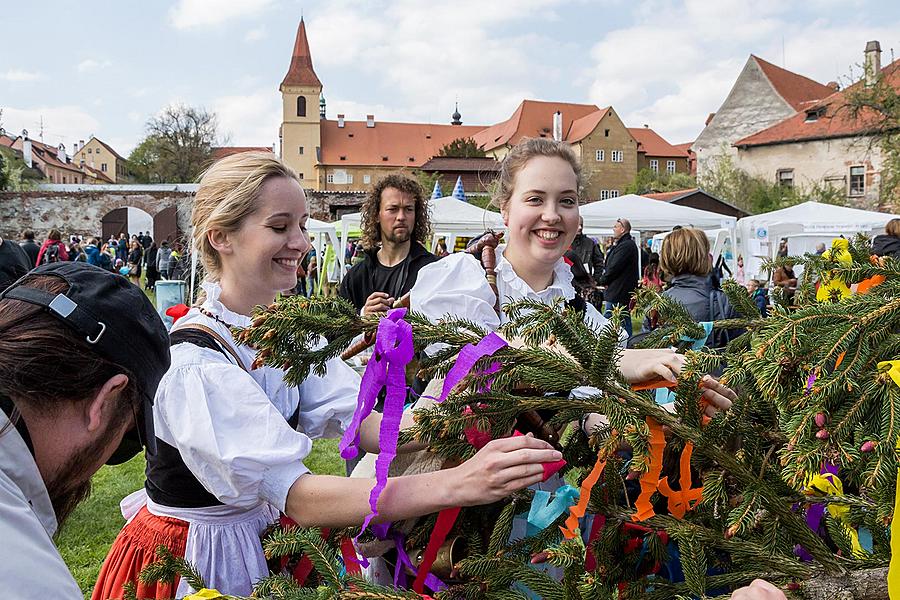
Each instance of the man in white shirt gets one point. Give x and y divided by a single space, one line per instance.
77 380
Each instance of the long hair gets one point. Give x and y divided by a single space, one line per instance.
371 206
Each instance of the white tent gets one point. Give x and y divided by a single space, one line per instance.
321 233
804 226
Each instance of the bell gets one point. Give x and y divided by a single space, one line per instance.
449 554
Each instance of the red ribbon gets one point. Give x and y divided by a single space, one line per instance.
445 521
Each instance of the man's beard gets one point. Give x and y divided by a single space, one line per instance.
396 237
72 482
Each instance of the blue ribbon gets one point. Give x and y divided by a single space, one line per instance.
664 395
698 343
544 511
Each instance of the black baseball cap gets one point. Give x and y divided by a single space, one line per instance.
119 323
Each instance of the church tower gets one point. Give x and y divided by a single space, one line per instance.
301 135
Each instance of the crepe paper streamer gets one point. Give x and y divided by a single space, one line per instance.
698 343
550 468
544 511
652 385
348 553
177 311
810 381
404 562
590 561
892 368
445 521
894 569
571 531
827 483
686 498
650 479
867 284
475 436
664 396
840 359
467 358
206 594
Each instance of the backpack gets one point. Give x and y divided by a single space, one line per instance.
51 254
719 310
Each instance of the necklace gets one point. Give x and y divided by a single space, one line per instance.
216 318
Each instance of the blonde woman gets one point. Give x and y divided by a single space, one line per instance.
230 454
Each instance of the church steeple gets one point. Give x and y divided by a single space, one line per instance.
301 71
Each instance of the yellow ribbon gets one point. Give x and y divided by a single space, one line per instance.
839 252
206 594
892 368
893 578
831 485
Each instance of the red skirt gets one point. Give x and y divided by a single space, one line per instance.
134 549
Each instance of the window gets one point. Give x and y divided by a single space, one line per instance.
300 175
785 177
857 181
300 152
89 150
606 133
367 179
103 167
613 193
349 177
607 194
301 106
654 165
329 178
601 155
617 156
670 166
814 114
98 151
64 178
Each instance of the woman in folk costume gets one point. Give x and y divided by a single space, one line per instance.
538 199
232 441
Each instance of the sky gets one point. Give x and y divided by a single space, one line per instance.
106 70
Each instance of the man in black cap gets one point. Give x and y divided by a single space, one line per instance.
77 379
14 262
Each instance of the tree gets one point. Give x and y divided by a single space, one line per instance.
462 148
178 145
647 181
4 175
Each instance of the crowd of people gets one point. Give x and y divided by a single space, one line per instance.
211 490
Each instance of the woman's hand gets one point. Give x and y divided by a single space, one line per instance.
759 590
717 395
502 467
639 366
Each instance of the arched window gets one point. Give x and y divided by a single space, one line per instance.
301 106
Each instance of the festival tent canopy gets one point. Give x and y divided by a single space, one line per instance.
646 214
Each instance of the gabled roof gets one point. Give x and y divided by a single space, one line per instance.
796 90
653 144
48 154
453 163
830 118
301 70
534 118
96 174
671 196
686 147
109 148
581 128
387 144
219 152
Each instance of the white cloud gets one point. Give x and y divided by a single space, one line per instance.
190 14
89 64
249 120
62 124
20 75
255 34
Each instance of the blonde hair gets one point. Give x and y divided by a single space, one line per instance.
685 250
524 151
227 195
893 227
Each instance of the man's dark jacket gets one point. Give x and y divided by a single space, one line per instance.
886 245
588 253
31 248
358 283
621 273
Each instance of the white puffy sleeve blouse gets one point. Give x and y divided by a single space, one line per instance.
230 426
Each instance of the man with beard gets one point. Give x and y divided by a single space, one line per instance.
77 380
394 224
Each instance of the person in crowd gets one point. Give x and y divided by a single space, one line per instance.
122 247
53 249
783 248
620 275
820 248
164 260
685 262
105 260
30 246
651 278
92 252
785 278
60 425
312 271
212 490
394 226
759 296
147 242
14 262
176 262
76 252
135 259
152 271
740 275
441 249
588 251
888 243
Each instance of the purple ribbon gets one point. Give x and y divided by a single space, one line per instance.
387 369
814 514
431 580
467 358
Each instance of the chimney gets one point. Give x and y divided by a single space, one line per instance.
873 62
340 121
834 85
26 148
370 121
61 153
557 126
74 149
81 144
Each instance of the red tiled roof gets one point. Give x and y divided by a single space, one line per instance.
581 128
452 163
834 118
686 147
669 196
301 70
7 141
48 154
653 144
534 118
796 90
223 151
387 144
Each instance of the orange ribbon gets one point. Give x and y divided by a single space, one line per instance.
683 500
578 510
867 284
650 479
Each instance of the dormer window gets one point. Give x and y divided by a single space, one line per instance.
384 158
343 158
814 114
